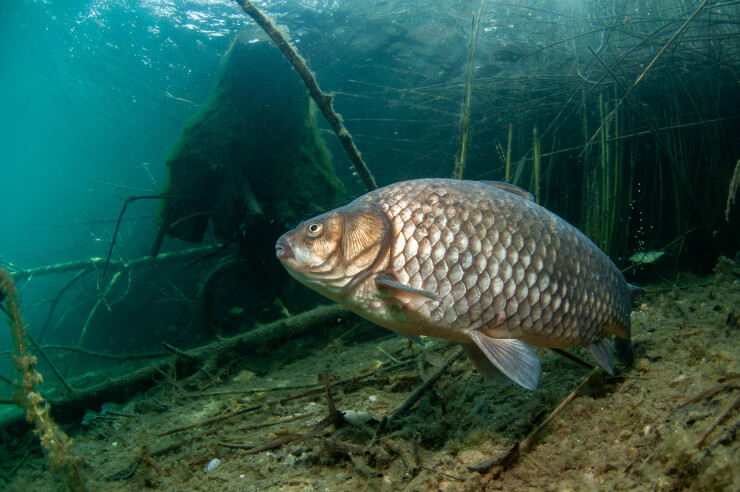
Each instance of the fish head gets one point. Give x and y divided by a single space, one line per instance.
332 251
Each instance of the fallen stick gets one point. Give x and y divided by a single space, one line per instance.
573 358
416 395
722 416
494 468
211 356
708 392
213 420
311 389
332 418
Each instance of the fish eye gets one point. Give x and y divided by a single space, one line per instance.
314 228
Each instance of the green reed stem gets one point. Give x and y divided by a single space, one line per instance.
508 154
537 164
465 117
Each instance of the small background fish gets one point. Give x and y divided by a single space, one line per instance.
474 262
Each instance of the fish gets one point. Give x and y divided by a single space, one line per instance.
646 257
476 262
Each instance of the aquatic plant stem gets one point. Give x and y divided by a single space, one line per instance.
537 164
467 97
603 233
732 191
508 154
647 69
54 441
324 101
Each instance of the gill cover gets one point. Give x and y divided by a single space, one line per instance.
337 249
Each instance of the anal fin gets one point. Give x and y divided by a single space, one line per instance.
603 352
484 366
512 357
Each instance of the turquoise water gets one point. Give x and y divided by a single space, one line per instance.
87 97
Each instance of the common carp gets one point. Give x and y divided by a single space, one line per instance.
476 262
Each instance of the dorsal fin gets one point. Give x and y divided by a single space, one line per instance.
510 188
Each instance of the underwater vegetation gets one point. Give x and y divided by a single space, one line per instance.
54 441
231 164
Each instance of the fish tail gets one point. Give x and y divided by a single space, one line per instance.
623 348
624 351
636 292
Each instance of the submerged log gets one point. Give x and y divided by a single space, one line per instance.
205 359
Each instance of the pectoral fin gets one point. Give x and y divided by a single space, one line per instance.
389 288
512 357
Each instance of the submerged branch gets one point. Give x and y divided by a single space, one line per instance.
92 263
120 217
323 100
416 395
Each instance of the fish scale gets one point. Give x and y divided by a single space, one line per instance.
475 262
508 229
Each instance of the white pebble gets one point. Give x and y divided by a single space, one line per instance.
372 398
213 465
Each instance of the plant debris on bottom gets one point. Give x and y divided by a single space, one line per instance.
670 422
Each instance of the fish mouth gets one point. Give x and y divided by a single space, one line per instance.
283 250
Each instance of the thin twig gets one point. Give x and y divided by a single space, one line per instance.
312 388
56 372
381 428
278 422
708 392
315 430
573 358
710 428
424 387
211 420
58 297
120 217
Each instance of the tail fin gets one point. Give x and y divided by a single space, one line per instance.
624 352
623 349
636 292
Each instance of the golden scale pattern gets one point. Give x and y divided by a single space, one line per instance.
499 260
